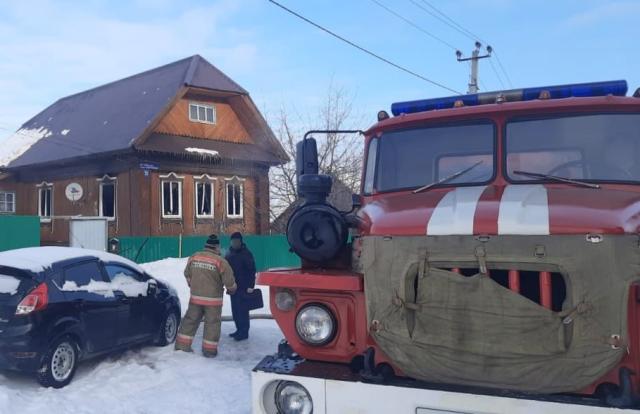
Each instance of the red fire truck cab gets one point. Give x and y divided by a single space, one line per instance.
510 168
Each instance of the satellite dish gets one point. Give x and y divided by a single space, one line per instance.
73 192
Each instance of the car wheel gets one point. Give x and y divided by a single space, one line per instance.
59 364
168 329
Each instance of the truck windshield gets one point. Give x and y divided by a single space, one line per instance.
414 158
602 147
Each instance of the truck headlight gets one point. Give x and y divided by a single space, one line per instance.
315 325
293 398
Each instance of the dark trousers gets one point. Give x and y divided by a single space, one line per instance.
240 312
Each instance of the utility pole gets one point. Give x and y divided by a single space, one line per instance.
475 57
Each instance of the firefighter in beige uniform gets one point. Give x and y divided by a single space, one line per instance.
206 273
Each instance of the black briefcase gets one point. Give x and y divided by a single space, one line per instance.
254 299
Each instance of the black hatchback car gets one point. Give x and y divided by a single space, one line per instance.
59 306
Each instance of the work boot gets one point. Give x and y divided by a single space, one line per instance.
233 335
241 337
179 348
209 354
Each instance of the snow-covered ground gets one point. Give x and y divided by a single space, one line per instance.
154 380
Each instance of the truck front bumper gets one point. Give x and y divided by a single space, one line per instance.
335 389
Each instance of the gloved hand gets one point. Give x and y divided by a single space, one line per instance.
232 291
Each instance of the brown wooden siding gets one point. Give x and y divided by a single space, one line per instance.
138 199
189 223
227 127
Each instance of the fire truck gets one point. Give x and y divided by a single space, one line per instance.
490 263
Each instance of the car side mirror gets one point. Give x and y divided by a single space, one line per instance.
152 287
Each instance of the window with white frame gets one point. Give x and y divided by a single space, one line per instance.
204 194
171 196
7 202
200 112
108 197
234 198
45 201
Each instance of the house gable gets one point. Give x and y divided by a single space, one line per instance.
227 126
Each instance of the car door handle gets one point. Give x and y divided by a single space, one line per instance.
122 297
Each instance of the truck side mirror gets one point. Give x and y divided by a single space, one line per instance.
307 157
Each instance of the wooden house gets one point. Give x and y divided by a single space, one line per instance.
180 149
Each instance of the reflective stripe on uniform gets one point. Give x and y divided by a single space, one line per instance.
205 301
207 259
209 345
184 339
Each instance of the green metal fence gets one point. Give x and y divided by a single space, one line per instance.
19 231
269 251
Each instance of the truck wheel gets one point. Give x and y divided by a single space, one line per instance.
168 329
59 364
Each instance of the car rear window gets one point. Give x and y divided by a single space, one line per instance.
13 281
83 273
9 284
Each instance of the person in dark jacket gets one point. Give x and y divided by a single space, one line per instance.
244 270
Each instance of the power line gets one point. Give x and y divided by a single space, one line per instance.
444 18
496 72
453 26
450 22
503 70
362 49
416 26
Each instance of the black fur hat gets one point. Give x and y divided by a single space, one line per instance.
212 241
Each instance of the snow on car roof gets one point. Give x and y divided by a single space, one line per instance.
37 259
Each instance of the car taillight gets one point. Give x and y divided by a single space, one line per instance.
36 300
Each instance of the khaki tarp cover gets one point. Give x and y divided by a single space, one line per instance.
441 326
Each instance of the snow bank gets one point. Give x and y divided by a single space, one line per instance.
171 271
152 380
123 283
203 151
9 284
37 259
18 143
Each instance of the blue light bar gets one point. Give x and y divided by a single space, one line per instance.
616 88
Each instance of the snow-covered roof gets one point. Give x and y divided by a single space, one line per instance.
18 143
37 259
110 117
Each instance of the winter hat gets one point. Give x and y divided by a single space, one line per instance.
212 241
236 235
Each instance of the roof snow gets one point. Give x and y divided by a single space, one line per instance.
203 151
121 282
37 259
18 143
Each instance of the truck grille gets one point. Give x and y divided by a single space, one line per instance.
548 289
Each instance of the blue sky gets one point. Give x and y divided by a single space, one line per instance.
51 49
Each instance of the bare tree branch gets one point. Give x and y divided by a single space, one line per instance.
339 155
